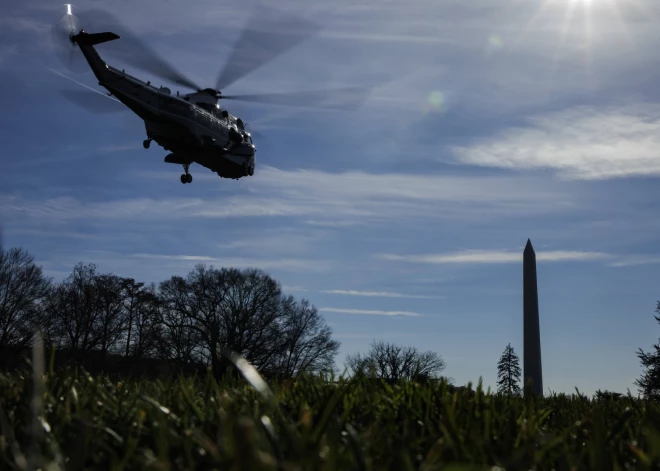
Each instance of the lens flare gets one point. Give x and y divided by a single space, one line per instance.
495 43
436 101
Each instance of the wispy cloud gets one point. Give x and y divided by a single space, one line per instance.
334 224
493 256
580 143
24 25
378 294
635 260
299 289
51 234
371 312
281 241
325 196
290 264
375 335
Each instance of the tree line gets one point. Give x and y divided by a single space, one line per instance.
185 320
182 319
191 319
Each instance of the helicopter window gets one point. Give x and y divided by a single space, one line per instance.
207 106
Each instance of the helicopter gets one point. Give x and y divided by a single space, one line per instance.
193 127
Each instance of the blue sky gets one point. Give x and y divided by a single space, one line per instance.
403 221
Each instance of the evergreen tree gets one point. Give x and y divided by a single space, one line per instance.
508 372
649 383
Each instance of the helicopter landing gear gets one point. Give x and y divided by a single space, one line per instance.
147 143
248 170
186 177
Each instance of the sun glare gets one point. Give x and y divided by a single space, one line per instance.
580 25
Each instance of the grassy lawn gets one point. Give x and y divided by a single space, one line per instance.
85 422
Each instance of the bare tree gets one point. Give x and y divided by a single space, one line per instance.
22 287
253 313
195 304
308 344
179 339
141 307
245 311
111 321
393 362
85 311
72 309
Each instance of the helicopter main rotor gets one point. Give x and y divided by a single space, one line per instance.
267 34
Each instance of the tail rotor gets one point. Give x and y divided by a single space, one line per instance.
68 52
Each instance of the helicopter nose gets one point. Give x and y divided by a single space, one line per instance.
245 149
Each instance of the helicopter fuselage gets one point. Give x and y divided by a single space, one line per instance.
193 133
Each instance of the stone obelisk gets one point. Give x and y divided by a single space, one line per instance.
531 330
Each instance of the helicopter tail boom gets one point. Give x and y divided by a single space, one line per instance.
86 42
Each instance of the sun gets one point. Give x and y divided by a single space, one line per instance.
580 26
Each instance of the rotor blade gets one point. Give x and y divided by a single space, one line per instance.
136 52
267 34
350 98
68 53
93 102
256 134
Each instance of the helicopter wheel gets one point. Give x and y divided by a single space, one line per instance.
146 143
248 170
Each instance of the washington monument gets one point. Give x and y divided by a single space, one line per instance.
531 331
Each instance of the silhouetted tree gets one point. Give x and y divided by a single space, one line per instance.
22 288
221 308
649 383
142 329
245 311
307 339
253 313
111 322
85 310
188 320
508 372
72 308
393 362
177 339
608 395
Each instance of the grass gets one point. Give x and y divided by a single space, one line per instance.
76 421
